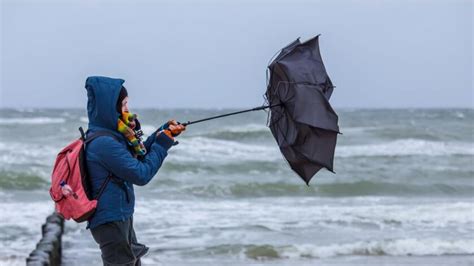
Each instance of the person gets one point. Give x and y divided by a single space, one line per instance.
127 164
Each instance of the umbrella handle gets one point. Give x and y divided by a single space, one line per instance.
229 114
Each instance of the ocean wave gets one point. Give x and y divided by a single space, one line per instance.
213 150
395 247
31 121
27 154
21 180
84 119
344 189
406 147
20 229
366 187
389 247
244 128
247 128
247 131
357 130
225 169
310 213
459 114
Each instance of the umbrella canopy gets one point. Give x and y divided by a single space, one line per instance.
301 118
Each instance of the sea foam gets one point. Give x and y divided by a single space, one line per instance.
214 150
391 247
406 147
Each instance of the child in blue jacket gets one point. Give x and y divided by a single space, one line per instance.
117 155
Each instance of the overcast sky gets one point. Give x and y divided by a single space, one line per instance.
214 53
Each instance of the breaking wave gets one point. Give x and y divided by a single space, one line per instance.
406 147
397 247
21 180
277 189
213 150
389 247
31 121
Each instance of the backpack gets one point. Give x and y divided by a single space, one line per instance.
70 169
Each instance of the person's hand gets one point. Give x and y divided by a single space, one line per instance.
166 132
175 128
171 129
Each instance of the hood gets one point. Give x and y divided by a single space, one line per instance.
102 96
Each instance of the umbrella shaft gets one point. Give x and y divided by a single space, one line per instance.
229 114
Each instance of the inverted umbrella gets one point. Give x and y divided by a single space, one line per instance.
301 62
302 121
300 118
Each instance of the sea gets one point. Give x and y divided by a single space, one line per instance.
402 192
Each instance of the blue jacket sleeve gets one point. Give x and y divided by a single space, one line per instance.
118 160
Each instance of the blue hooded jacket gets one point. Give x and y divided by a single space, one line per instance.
107 155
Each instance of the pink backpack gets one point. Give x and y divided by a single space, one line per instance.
70 183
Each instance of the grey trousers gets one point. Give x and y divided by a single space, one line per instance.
118 243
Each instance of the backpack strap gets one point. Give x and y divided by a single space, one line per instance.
102 187
97 134
89 139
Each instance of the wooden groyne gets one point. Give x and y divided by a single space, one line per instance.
48 251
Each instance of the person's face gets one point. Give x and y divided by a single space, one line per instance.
125 105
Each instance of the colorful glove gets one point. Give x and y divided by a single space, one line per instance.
173 127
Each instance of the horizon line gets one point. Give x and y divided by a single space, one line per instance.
239 108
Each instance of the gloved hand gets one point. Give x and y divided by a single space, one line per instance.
167 133
173 128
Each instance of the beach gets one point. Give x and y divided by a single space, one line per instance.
403 192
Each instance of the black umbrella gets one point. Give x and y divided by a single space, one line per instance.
301 62
302 122
300 118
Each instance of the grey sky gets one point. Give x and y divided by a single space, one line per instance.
214 54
